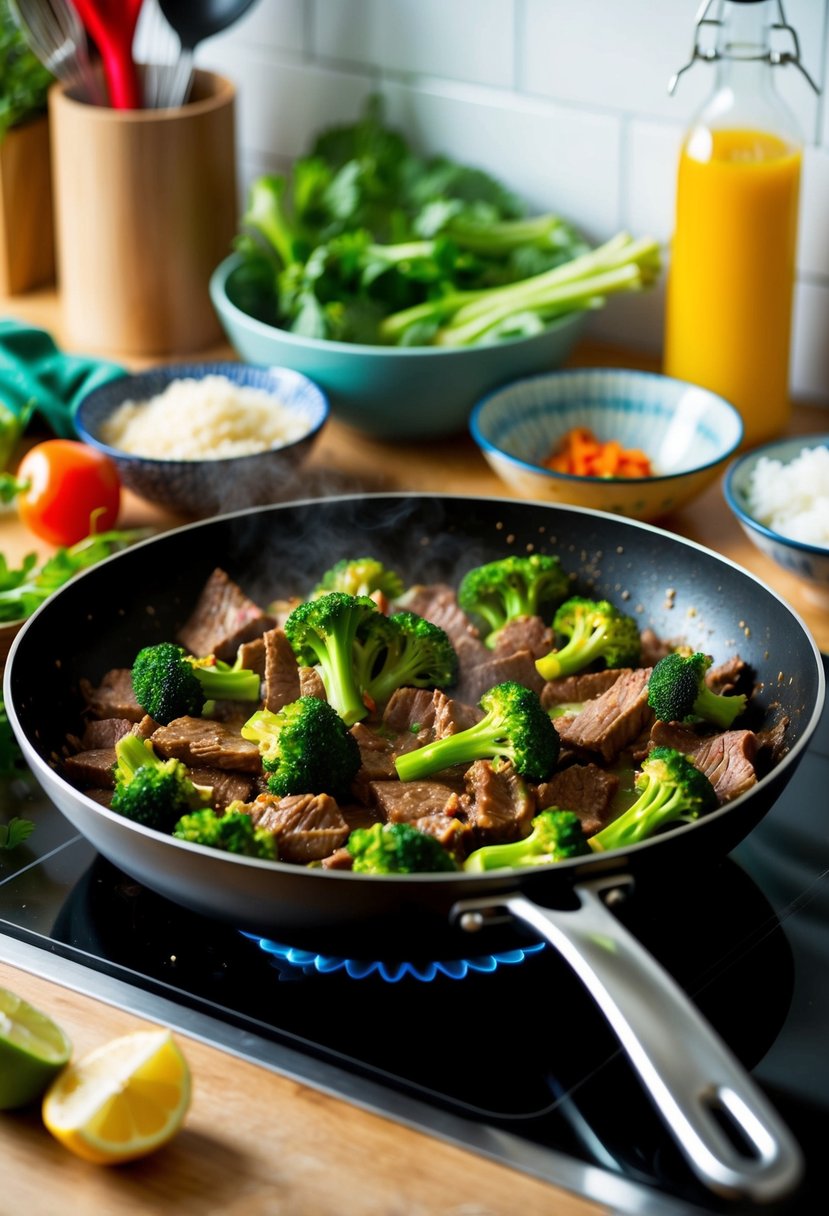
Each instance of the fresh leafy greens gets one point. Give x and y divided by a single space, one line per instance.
25 587
368 242
24 81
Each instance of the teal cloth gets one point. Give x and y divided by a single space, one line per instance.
33 368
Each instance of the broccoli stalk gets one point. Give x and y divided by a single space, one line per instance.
152 791
168 683
621 264
322 634
677 691
595 629
306 748
234 832
511 587
670 787
403 650
515 727
360 576
556 834
396 848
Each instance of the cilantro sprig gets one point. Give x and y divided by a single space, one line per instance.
25 587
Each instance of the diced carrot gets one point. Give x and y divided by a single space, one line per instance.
579 452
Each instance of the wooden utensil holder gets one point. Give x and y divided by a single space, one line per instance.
146 207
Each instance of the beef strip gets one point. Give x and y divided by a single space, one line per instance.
611 722
525 633
727 757
307 827
103 732
201 741
376 754
497 667
281 684
251 655
310 683
587 789
498 805
409 711
223 618
113 697
407 801
583 686
726 677
92 768
227 786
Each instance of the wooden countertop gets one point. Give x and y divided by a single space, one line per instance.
257 1142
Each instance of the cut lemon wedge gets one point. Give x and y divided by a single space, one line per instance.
32 1050
121 1101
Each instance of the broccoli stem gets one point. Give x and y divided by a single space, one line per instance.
478 742
717 708
265 213
657 805
581 649
233 684
133 753
620 264
502 236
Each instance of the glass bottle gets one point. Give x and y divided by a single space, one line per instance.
731 274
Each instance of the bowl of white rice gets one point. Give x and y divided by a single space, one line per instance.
201 439
779 494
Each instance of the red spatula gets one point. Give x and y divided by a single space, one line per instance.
111 26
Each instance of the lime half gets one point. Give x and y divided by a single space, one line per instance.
33 1049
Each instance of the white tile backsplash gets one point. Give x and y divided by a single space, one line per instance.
565 100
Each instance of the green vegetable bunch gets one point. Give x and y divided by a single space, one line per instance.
24 81
23 588
369 242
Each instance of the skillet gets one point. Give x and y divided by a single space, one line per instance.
731 1136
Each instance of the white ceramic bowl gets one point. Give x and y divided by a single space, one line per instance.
808 562
687 432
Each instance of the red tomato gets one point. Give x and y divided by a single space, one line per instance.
72 490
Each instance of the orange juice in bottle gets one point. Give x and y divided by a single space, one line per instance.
731 275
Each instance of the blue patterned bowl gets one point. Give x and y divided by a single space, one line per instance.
687 432
808 562
204 487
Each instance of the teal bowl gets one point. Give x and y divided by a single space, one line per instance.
391 392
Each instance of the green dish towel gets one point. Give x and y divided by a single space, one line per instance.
34 370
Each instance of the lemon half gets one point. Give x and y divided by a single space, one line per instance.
123 1100
33 1049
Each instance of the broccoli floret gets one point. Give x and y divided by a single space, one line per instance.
556 834
515 727
677 691
149 790
168 683
322 634
360 576
233 832
670 787
396 848
595 629
306 748
403 650
511 587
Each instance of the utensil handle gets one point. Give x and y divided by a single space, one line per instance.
695 1082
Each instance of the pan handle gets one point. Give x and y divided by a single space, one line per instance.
695 1082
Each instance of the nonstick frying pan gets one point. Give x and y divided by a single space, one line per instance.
731 1136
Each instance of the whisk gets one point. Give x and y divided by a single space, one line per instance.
55 34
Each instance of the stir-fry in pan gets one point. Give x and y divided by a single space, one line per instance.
364 724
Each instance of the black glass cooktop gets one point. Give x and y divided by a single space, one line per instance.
510 1044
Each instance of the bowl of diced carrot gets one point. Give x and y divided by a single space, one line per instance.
629 442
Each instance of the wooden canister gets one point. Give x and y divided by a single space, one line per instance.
146 208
